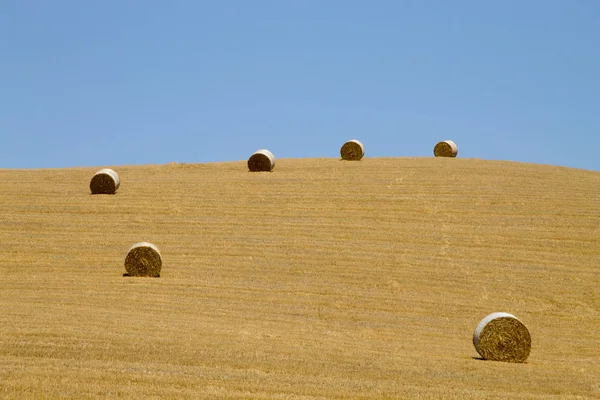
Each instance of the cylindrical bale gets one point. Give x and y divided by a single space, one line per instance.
143 259
352 150
261 160
502 337
447 148
105 181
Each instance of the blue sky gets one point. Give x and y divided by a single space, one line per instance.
121 82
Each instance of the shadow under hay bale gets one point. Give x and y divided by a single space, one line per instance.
262 160
105 181
447 148
502 337
143 259
352 150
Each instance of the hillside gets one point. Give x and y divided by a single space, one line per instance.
322 279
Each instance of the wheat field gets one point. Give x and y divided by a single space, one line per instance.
324 279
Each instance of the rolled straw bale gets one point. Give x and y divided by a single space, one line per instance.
502 337
105 181
447 148
261 160
143 259
352 150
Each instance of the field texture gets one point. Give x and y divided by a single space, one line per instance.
322 279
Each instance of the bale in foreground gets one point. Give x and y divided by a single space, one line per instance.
502 337
105 181
143 259
261 160
352 150
447 148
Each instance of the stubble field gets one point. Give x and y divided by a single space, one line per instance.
322 279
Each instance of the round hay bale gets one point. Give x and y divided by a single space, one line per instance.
105 181
447 148
143 259
502 337
261 160
352 150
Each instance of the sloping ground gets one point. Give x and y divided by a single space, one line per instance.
323 279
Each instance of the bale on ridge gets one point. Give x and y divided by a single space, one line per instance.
352 150
502 337
261 160
105 181
447 148
143 259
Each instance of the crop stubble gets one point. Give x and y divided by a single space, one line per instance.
321 279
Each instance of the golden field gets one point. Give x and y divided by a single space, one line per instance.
324 279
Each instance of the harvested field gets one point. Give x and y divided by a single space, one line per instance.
326 279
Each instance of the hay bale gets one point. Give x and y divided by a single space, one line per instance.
502 337
143 259
105 181
447 148
261 160
352 150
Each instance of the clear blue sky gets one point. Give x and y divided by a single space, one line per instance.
121 82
